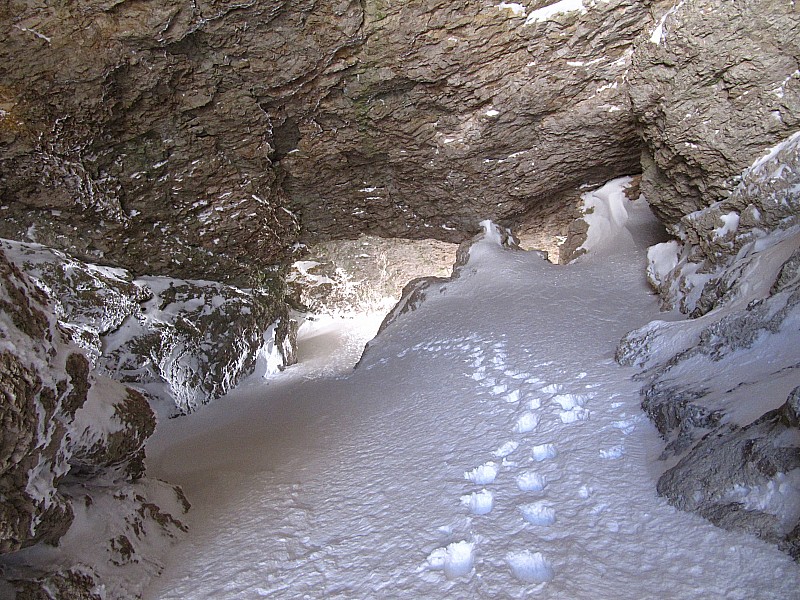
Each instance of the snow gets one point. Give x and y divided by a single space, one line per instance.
424 474
606 213
548 12
730 223
518 10
657 36
779 496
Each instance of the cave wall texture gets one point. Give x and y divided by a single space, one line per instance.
203 139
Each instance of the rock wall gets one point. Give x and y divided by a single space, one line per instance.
200 139
182 342
714 85
722 388
70 439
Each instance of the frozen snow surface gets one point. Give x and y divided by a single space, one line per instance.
488 446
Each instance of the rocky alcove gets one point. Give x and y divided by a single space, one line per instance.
179 181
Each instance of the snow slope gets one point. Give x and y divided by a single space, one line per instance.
487 447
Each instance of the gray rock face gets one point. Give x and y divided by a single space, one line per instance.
196 139
715 386
720 243
715 84
66 432
186 342
736 476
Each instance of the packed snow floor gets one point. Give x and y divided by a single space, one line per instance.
488 446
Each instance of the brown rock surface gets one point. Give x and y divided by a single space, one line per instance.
187 138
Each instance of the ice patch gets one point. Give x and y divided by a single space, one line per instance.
613 453
512 396
531 482
530 567
574 415
506 449
479 503
526 422
535 403
483 474
543 452
538 513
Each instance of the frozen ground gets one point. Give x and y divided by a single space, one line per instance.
487 447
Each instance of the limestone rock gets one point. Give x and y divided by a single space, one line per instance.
204 138
716 244
745 478
186 342
365 274
713 85
56 416
715 385
460 111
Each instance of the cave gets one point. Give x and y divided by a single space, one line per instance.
399 299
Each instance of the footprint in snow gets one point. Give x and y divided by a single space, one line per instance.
482 475
626 427
530 567
506 449
570 401
479 503
552 388
574 415
538 513
526 422
543 452
531 482
613 453
479 375
455 560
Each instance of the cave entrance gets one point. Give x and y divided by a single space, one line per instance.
348 287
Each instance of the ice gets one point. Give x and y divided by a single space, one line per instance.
530 567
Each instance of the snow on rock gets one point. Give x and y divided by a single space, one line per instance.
612 221
548 12
68 431
715 385
186 342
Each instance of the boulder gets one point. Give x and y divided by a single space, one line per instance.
183 342
715 385
712 86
